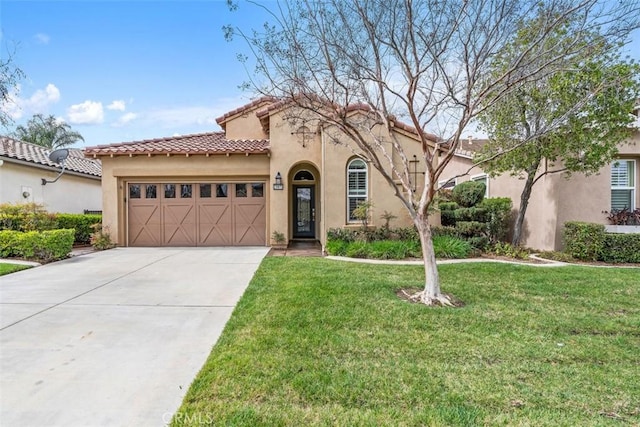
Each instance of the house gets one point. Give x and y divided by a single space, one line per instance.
23 166
263 174
556 200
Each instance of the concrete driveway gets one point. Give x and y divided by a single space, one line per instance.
114 338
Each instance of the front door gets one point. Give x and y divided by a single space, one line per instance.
304 211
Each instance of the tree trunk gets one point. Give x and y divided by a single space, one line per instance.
431 294
524 202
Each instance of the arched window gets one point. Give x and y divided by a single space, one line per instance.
356 186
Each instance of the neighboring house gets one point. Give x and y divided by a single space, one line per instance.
24 165
556 200
237 187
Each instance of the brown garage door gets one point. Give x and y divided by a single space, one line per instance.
197 214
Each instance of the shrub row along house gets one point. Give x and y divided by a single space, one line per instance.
23 166
266 175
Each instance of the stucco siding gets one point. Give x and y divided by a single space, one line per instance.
70 194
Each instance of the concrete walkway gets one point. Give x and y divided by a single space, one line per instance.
114 338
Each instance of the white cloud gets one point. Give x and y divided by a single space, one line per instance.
124 119
88 112
118 105
38 103
42 38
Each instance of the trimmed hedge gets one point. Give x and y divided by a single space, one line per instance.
83 224
589 242
584 240
468 193
45 246
621 248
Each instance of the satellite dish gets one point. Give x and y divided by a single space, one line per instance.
59 155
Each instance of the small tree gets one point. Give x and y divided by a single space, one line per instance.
356 67
566 121
47 132
10 75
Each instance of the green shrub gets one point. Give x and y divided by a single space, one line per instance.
508 250
583 240
9 243
448 206
45 246
556 256
407 234
54 244
471 214
336 247
357 250
444 231
469 193
448 218
393 249
101 238
479 243
451 247
498 216
83 224
471 228
621 248
342 234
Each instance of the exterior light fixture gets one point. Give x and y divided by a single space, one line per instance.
277 185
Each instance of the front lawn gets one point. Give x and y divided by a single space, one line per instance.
11 268
321 342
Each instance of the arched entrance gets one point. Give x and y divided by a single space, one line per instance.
304 179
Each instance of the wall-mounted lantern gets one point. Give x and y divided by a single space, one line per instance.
277 185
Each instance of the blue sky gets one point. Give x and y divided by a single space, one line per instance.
128 70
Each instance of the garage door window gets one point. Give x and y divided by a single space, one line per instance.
221 190
257 190
134 191
169 191
205 191
241 190
186 190
151 191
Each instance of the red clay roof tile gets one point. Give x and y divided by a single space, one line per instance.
201 143
256 103
20 150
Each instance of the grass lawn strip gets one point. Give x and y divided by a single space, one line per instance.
316 342
6 268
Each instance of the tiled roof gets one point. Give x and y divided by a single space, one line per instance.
201 143
256 103
20 150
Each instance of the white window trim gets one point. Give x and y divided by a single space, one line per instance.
626 187
442 183
480 176
366 186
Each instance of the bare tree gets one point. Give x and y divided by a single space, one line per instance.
361 65
10 75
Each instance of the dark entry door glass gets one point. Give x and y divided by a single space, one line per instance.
304 212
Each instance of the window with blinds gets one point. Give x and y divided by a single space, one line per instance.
623 184
356 186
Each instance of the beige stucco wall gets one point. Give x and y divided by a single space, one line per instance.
70 194
120 170
245 125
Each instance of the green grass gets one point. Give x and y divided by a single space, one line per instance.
11 268
315 342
